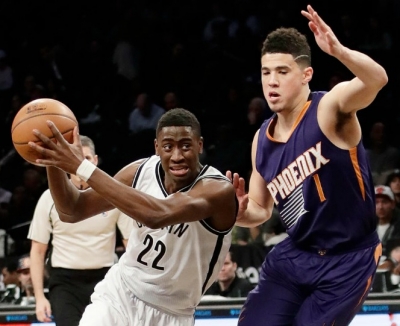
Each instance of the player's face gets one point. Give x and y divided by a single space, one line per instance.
282 80
179 149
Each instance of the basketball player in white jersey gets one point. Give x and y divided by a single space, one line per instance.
183 214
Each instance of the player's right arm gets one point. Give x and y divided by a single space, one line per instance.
37 254
256 206
370 77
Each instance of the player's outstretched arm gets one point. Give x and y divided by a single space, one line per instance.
369 79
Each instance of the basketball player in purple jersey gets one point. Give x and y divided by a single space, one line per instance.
309 161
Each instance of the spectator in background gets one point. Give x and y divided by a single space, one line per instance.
257 112
145 115
229 284
10 281
5 196
383 157
267 234
388 217
32 90
21 208
171 101
81 253
142 125
6 82
392 263
393 181
126 60
228 151
24 276
336 78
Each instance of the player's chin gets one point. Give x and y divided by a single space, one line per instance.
275 108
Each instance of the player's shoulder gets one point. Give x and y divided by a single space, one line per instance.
212 174
212 183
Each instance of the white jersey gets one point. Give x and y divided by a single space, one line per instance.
171 268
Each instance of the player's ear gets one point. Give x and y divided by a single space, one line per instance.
201 144
307 75
156 147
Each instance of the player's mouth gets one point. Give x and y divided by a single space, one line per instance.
273 96
179 171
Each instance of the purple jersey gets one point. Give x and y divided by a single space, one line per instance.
324 194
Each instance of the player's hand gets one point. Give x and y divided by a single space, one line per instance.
323 34
240 188
60 154
43 310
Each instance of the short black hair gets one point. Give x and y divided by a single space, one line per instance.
288 41
179 118
233 256
11 264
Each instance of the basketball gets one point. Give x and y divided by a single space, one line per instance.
34 115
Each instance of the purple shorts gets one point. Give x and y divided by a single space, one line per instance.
301 288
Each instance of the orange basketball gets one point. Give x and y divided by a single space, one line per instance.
34 116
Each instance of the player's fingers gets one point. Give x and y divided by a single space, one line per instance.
44 152
45 140
37 148
320 23
45 162
306 14
242 184
310 9
75 134
236 180
57 134
228 174
313 28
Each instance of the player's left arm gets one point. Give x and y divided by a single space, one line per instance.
370 77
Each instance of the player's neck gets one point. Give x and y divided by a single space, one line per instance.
288 117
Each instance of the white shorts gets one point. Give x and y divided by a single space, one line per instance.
113 304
